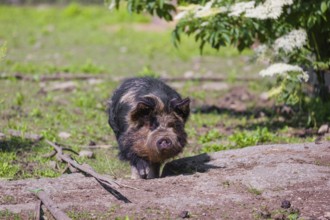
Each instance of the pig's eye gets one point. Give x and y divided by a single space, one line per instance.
154 125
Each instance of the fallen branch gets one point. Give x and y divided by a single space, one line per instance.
82 168
51 206
54 152
37 211
108 183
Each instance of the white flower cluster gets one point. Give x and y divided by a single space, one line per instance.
241 7
269 9
199 11
284 69
294 40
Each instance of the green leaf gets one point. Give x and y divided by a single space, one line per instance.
324 7
36 191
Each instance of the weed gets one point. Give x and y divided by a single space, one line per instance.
6 214
213 147
293 216
19 100
211 135
80 214
226 184
123 218
36 112
7 169
8 199
254 191
148 72
245 138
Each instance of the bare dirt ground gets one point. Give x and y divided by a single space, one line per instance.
249 183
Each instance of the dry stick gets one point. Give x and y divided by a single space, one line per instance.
49 155
85 169
51 206
67 159
107 183
37 211
54 152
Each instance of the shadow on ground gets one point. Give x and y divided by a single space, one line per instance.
289 117
188 166
16 144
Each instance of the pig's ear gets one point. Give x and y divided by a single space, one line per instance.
181 107
143 107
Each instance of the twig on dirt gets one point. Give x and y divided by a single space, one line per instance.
106 182
65 169
49 155
69 149
82 168
54 152
72 169
37 210
51 206
32 137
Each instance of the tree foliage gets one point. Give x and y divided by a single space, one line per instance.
221 28
285 32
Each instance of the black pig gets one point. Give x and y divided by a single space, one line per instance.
148 119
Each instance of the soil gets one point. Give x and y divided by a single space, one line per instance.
249 183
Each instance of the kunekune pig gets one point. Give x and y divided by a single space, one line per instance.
148 118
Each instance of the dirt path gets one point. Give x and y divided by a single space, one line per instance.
248 183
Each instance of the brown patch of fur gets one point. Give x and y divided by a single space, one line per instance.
159 108
128 97
159 104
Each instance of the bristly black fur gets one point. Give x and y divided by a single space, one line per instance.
131 103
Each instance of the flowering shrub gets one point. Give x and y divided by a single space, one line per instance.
293 35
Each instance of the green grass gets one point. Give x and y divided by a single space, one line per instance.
90 39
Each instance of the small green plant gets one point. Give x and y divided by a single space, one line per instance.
211 135
8 199
293 216
254 191
36 112
213 147
19 99
72 10
6 214
148 72
7 169
85 100
245 138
